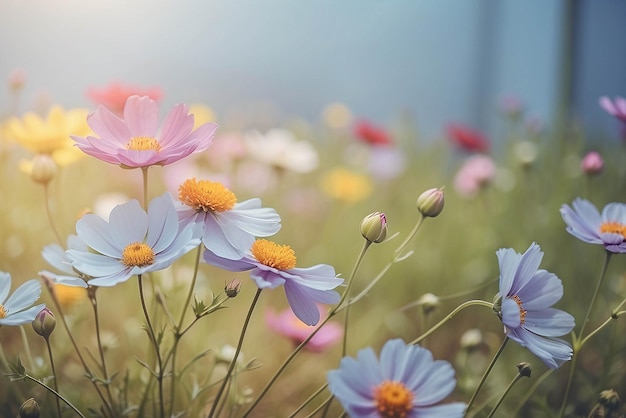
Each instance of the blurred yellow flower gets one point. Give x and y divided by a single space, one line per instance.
69 295
347 186
201 114
52 135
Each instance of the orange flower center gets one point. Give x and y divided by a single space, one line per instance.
143 143
393 399
280 257
522 311
613 228
137 254
206 196
3 312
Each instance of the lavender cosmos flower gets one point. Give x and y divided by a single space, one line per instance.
587 224
18 309
228 228
133 242
405 382
615 107
56 256
524 306
132 141
273 265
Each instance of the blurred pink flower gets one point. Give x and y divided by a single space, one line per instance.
615 107
477 172
370 134
114 95
288 325
592 163
466 138
131 141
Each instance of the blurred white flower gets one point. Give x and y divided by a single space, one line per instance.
279 148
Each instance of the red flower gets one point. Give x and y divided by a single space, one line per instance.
467 139
115 94
371 135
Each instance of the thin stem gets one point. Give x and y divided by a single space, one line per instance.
55 393
359 259
483 379
155 344
305 403
49 214
27 347
144 175
410 236
506 392
577 340
529 393
231 367
450 316
94 304
54 376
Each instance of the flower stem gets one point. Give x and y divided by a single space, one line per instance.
55 393
483 379
305 403
577 340
155 344
359 259
506 392
406 241
144 176
94 303
231 367
49 214
54 376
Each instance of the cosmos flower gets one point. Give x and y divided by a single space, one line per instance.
346 186
587 224
114 95
228 228
404 382
370 134
50 135
524 302
476 173
18 309
288 325
280 149
615 107
56 256
131 141
133 242
272 265
467 139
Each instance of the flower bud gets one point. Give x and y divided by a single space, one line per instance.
44 323
29 409
609 399
374 227
232 288
44 168
17 79
524 369
592 163
429 303
430 203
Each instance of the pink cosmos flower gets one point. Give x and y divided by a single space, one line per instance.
467 139
592 163
114 95
477 172
287 324
131 141
615 107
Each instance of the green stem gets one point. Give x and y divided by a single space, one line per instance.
27 347
49 215
55 393
144 176
305 403
506 392
450 316
155 344
233 363
531 391
94 304
483 379
577 340
406 241
366 245
54 376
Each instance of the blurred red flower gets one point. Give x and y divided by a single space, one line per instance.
370 134
467 139
115 94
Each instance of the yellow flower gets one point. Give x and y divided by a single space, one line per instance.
347 186
201 114
69 295
52 135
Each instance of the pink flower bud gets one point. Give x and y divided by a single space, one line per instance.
592 163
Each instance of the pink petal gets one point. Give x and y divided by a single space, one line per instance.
142 116
108 126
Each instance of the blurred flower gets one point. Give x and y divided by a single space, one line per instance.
131 141
133 242
42 168
56 256
228 228
524 302
615 107
273 265
585 223
512 106
201 114
346 186
18 309
44 323
227 149
430 203
370 134
17 79
374 227
476 172
467 139
526 153
114 95
592 163
386 163
69 295
52 135
288 325
280 149
405 382
337 116
29 409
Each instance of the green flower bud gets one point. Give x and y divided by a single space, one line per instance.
429 303
430 203
44 323
524 369
374 227
29 409
232 288
609 399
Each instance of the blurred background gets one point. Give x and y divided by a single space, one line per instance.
433 61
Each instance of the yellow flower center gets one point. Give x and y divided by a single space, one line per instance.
3 312
613 228
137 254
393 399
280 257
206 196
522 311
143 143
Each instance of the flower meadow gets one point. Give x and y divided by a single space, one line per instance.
159 263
